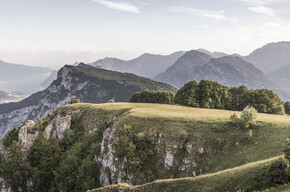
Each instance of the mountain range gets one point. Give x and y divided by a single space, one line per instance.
96 84
147 65
281 76
213 54
227 70
271 56
87 83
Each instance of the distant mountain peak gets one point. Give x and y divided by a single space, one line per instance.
271 56
212 54
230 70
146 65
87 83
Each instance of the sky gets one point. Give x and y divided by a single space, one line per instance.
51 33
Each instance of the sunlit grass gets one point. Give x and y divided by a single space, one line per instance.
179 112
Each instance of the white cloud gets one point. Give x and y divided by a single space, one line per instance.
216 15
270 7
119 6
263 10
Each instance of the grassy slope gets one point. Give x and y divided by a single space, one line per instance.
234 147
226 180
206 123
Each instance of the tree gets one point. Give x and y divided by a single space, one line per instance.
212 95
287 107
44 157
148 96
187 95
287 150
264 101
15 170
237 98
73 101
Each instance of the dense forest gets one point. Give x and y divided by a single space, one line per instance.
213 95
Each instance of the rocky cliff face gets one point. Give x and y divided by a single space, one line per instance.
89 84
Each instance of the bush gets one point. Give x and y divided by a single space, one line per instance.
272 175
287 150
111 101
247 118
73 101
10 136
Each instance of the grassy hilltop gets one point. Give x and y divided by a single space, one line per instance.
160 145
209 126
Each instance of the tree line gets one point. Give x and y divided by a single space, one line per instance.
210 94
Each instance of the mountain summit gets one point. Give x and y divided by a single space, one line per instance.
271 57
227 70
146 65
84 82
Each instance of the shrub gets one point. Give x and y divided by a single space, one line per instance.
73 101
287 150
247 118
111 101
272 175
10 136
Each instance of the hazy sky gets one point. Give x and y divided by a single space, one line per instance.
55 32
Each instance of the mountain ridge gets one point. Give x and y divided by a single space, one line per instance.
87 83
229 70
271 56
146 65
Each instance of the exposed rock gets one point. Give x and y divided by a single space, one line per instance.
200 150
112 170
3 187
168 159
57 127
27 135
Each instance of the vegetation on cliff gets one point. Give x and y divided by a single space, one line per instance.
140 143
